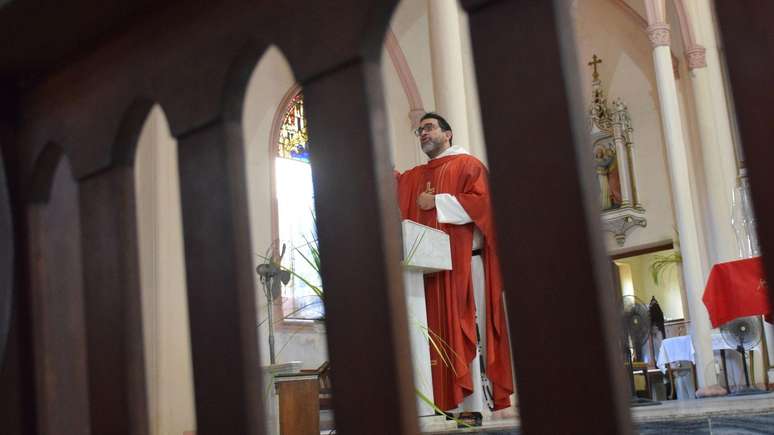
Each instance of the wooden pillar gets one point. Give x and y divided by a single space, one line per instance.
15 379
112 300
359 235
557 280
219 272
6 259
749 53
56 299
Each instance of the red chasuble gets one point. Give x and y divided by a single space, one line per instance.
449 295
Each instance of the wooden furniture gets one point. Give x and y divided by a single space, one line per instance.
672 371
677 350
299 404
642 367
324 375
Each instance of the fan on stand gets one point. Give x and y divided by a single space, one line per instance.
743 334
636 324
273 276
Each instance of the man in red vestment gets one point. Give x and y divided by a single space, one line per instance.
451 193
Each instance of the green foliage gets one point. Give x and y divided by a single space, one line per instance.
314 262
427 400
445 352
662 263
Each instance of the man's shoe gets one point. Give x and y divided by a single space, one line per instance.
448 414
468 419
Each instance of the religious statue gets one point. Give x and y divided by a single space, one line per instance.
606 161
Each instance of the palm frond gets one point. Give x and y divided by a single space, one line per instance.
432 404
661 263
445 352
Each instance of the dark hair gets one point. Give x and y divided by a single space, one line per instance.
441 122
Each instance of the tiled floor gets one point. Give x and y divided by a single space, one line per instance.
744 415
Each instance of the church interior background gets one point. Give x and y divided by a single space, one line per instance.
427 65
612 30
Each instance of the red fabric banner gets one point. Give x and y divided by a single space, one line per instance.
737 289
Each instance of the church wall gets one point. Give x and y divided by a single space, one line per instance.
169 373
667 292
477 145
410 25
627 72
404 153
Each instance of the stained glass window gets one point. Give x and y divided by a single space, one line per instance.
295 216
293 138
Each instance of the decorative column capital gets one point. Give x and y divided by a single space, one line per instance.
659 34
696 57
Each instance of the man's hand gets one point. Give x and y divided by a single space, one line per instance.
426 199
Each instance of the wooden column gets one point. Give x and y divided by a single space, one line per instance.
219 272
56 300
6 260
15 382
359 234
557 280
749 50
112 299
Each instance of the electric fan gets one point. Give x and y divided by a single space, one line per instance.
636 326
743 334
273 276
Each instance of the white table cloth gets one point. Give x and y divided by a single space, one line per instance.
675 349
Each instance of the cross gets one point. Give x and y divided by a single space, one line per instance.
594 62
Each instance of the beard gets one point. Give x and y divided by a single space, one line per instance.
431 146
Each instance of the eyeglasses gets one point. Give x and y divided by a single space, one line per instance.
424 128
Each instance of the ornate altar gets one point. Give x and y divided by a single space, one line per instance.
612 148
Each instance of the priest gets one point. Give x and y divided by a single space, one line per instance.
470 356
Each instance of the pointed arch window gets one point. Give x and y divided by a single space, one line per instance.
293 138
295 216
